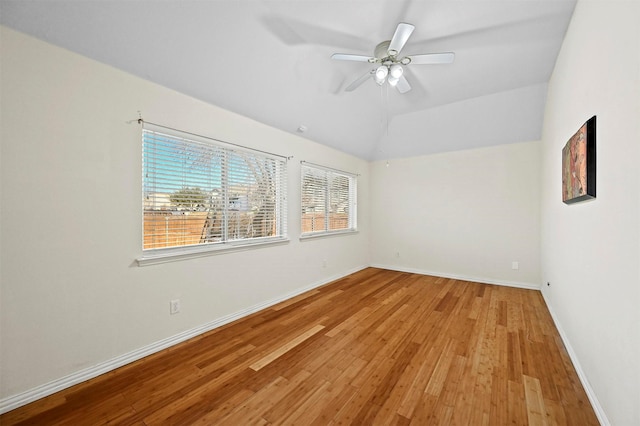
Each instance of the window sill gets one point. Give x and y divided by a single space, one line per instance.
323 234
157 256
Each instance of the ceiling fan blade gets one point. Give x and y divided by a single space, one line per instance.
353 86
400 37
403 85
432 58
350 57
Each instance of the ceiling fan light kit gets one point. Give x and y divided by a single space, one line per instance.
387 54
396 71
381 74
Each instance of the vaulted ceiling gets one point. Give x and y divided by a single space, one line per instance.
271 61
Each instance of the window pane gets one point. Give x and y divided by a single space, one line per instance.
314 195
252 196
199 193
328 200
339 202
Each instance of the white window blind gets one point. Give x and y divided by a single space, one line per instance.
328 200
197 192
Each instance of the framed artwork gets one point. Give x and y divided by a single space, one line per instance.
579 164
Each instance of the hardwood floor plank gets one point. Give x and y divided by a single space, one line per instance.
285 348
516 407
375 347
310 407
253 409
339 393
535 402
366 383
441 370
294 398
223 409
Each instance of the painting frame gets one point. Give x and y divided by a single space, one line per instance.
579 164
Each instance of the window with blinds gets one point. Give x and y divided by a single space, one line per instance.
198 192
328 200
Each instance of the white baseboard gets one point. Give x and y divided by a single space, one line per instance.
602 418
15 401
482 280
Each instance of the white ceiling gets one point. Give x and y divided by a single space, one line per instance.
270 61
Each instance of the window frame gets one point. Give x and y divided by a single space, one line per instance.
352 209
179 252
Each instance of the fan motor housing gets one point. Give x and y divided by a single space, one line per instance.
381 49
381 54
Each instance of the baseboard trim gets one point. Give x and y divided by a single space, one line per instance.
482 280
18 400
595 403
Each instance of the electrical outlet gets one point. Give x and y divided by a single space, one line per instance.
515 265
397 254
174 306
324 263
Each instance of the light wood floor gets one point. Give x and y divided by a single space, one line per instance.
374 348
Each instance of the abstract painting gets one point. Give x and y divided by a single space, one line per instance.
579 164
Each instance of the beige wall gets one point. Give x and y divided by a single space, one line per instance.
466 214
72 294
591 250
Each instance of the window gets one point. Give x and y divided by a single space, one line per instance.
328 200
199 193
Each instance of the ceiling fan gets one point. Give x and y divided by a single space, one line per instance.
387 55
